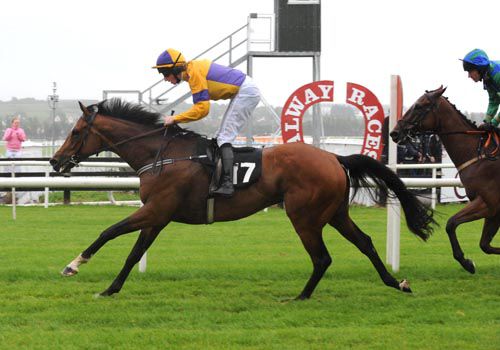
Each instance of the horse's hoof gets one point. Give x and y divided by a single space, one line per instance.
404 286
108 292
469 266
104 294
69 271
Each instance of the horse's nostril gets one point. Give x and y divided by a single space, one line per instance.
53 161
394 135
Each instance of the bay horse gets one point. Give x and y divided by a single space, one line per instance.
313 184
473 153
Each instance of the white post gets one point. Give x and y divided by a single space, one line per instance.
396 228
13 172
144 259
46 193
390 229
434 195
393 209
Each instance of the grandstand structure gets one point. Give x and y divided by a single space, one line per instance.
294 30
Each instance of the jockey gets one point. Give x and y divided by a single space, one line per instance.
211 81
480 68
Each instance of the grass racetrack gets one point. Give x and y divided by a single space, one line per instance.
228 285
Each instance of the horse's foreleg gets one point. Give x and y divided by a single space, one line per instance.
347 228
141 218
490 229
146 238
475 210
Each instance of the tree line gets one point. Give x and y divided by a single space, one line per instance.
38 122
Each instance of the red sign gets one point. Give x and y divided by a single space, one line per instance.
368 104
296 105
322 91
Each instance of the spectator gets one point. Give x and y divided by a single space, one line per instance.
14 136
432 148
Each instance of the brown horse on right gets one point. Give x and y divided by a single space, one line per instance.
475 156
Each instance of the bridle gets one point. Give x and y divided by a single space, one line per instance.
416 122
416 127
158 163
89 119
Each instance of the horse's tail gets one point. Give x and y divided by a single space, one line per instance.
361 169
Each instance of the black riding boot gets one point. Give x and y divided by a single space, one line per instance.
226 189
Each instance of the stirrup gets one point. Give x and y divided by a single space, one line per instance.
225 190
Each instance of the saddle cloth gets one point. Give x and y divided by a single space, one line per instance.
247 164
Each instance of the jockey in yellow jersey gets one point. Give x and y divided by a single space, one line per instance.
211 81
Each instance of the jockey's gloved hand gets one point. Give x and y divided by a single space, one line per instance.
486 127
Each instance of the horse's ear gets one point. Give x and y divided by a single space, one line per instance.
84 109
434 95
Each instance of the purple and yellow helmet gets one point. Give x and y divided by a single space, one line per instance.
170 58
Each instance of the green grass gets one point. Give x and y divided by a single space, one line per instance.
227 285
92 196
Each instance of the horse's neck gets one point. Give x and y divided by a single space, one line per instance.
459 145
139 151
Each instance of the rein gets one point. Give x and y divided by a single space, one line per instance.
492 138
114 146
167 161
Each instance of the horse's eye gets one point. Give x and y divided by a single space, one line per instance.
75 132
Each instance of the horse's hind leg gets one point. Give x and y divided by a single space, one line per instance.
475 210
490 229
314 245
141 218
347 228
146 238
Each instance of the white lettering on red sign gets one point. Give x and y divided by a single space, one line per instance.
367 103
298 103
322 91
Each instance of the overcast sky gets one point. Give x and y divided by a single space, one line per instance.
90 46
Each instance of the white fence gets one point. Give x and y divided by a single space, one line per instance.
78 182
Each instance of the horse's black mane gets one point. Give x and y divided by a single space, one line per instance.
136 113
464 117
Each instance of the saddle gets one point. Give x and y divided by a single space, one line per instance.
247 169
247 164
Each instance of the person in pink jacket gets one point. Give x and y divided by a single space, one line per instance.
14 136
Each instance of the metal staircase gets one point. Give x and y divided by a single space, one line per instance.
230 51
